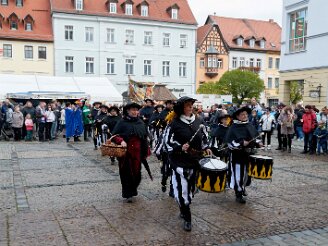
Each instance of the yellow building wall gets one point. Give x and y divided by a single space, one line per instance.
312 79
201 72
271 93
19 65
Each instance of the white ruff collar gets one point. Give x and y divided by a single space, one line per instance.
240 122
187 119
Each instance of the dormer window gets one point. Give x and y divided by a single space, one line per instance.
112 8
144 10
174 14
79 5
173 11
13 21
262 44
252 43
28 23
128 9
240 41
4 2
19 3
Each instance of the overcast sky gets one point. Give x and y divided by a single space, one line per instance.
252 9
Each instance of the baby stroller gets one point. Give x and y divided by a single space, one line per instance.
6 131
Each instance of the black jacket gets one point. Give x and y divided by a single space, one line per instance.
178 134
111 122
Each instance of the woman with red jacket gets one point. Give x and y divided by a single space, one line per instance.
309 124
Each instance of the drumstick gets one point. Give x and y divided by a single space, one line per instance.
261 134
201 126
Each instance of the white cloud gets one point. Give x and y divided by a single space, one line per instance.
251 9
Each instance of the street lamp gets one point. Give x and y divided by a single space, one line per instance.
319 91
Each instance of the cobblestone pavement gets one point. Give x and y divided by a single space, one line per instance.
68 194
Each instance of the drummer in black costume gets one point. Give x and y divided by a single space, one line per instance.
241 139
218 136
184 154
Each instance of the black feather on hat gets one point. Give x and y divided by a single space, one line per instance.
240 110
129 106
178 107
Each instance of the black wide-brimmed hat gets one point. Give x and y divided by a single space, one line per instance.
178 107
104 106
96 103
240 110
114 108
169 102
129 106
223 116
159 106
149 100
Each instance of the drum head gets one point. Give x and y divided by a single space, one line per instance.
212 164
263 157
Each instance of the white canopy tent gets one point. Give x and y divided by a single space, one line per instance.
99 88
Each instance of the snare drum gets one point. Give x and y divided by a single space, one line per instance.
260 167
212 175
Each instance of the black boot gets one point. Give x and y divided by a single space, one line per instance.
76 139
185 210
187 226
240 198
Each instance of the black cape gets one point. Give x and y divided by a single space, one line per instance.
239 132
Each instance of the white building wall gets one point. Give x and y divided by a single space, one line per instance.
101 50
316 53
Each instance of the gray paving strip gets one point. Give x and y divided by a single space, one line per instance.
301 173
20 195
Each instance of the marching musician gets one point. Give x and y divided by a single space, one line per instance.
241 139
98 130
147 111
218 135
186 141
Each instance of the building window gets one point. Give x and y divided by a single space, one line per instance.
110 35
166 39
129 66
240 41
202 63
4 2
166 69
144 10
252 43
270 83
7 50
234 62
276 82
28 26
89 34
110 66
79 4
112 8
148 38
69 62
183 40
174 14
277 63
241 62
182 69
129 37
89 65
147 67
28 52
270 63
13 25
212 62
68 32
298 30
42 52
262 44
259 63
220 63
251 62
19 3
128 9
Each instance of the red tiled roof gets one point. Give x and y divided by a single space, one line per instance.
157 9
39 10
233 27
202 33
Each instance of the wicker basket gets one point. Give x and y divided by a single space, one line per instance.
112 149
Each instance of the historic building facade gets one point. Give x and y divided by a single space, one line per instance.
211 56
250 44
149 41
26 40
304 51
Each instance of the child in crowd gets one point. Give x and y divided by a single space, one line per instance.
29 127
321 134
